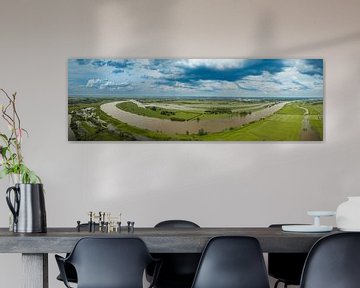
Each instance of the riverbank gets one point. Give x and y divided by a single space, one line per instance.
187 127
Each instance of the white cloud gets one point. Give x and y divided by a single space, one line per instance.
302 66
290 80
106 84
94 82
220 64
210 85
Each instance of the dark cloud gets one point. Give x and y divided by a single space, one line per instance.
165 66
316 63
118 63
83 61
316 67
98 63
252 67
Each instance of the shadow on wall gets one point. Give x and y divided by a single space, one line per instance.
264 35
266 30
325 43
124 31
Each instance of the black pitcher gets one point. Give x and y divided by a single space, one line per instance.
28 208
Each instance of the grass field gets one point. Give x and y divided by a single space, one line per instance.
316 116
317 124
278 127
285 125
291 109
157 112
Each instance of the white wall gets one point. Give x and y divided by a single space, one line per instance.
214 184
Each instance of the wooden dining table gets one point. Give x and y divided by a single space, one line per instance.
35 247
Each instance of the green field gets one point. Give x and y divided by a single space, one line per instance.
90 123
285 125
317 124
158 112
291 109
278 127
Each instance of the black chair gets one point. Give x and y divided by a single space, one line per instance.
69 269
286 267
70 273
232 262
333 262
178 269
108 263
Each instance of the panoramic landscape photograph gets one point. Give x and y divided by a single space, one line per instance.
195 99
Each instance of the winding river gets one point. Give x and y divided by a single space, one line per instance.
176 127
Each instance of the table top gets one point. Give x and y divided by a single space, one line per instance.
158 240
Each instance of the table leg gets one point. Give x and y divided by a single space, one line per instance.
35 270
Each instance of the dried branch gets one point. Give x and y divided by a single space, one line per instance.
11 155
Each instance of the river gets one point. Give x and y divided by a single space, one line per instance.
176 127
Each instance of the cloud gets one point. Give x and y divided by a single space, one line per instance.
218 64
249 77
83 61
206 85
231 73
118 63
306 66
289 80
98 63
94 83
266 76
103 84
265 83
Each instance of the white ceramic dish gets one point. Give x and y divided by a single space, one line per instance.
321 213
306 228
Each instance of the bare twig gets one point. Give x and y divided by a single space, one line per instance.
14 124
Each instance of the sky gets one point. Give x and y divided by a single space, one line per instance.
196 77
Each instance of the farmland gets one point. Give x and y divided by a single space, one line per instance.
171 119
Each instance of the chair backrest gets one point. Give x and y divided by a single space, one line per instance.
232 262
286 266
110 262
176 224
178 269
333 262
